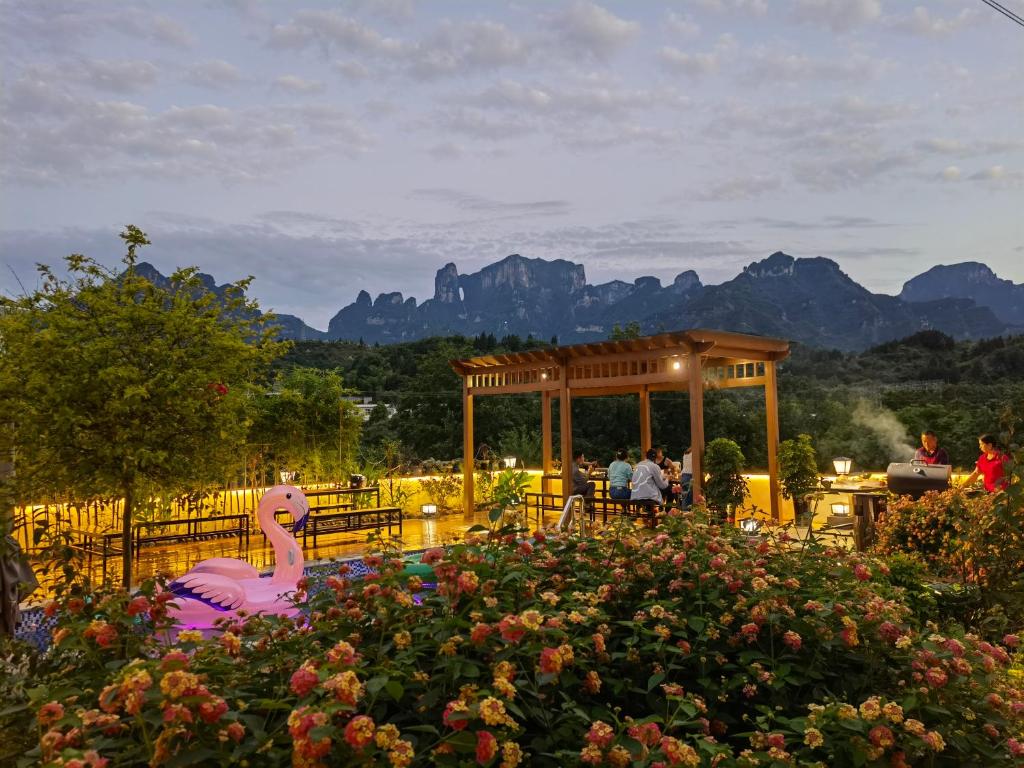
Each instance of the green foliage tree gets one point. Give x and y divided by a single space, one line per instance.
117 387
630 331
723 463
798 471
306 425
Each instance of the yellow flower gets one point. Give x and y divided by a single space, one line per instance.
402 639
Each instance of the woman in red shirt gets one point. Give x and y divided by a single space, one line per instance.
991 465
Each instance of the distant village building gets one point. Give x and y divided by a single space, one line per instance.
365 405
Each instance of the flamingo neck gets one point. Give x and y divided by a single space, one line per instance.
288 561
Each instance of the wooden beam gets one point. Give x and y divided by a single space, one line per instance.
696 420
645 420
545 431
771 407
565 428
513 389
468 452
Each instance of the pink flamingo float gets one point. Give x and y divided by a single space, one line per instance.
220 587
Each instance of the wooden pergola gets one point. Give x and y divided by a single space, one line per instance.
681 361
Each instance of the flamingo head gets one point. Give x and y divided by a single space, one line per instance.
294 500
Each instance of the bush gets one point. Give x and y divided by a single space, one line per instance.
726 486
683 645
973 540
443 490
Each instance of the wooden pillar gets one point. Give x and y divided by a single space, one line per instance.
565 427
645 421
545 430
468 465
771 407
696 386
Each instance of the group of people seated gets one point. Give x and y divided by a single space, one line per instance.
655 480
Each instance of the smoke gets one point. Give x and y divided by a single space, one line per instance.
890 430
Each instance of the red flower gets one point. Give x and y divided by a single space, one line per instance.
486 747
304 680
359 731
138 605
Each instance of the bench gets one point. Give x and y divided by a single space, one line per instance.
326 521
195 529
539 503
105 545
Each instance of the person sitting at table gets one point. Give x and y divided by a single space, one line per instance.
669 470
991 466
648 480
619 474
929 452
581 482
686 476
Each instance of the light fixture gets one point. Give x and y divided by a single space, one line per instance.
839 508
510 462
750 525
842 465
286 476
677 365
428 510
543 376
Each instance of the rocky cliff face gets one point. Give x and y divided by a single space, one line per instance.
969 280
808 300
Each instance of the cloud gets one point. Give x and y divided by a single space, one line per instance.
922 23
683 27
63 134
214 74
467 48
331 30
950 173
118 76
297 84
765 66
700 63
968 148
998 176
468 201
837 15
588 28
754 7
738 188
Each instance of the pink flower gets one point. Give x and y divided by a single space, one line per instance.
881 736
793 640
862 572
1011 641
432 556
936 677
600 734
359 732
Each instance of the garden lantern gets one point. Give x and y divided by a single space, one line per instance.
839 508
842 465
510 462
429 510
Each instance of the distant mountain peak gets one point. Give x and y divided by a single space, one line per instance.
969 280
779 264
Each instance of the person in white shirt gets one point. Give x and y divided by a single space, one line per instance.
648 480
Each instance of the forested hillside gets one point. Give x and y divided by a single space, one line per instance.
870 405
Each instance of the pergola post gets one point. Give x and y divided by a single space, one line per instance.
565 429
771 407
545 431
645 421
696 387
468 464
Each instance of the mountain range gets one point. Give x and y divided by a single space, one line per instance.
809 300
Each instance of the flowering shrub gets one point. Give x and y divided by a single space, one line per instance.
681 646
970 539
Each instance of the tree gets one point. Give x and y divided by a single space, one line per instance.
117 387
307 425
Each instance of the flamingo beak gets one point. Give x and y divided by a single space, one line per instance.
300 524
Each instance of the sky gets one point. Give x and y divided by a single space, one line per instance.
326 148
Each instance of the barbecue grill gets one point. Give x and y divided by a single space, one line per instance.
914 480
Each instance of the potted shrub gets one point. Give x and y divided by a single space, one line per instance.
798 474
725 487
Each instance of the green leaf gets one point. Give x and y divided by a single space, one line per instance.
495 514
394 689
654 680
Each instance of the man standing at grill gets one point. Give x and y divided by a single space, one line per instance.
929 452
